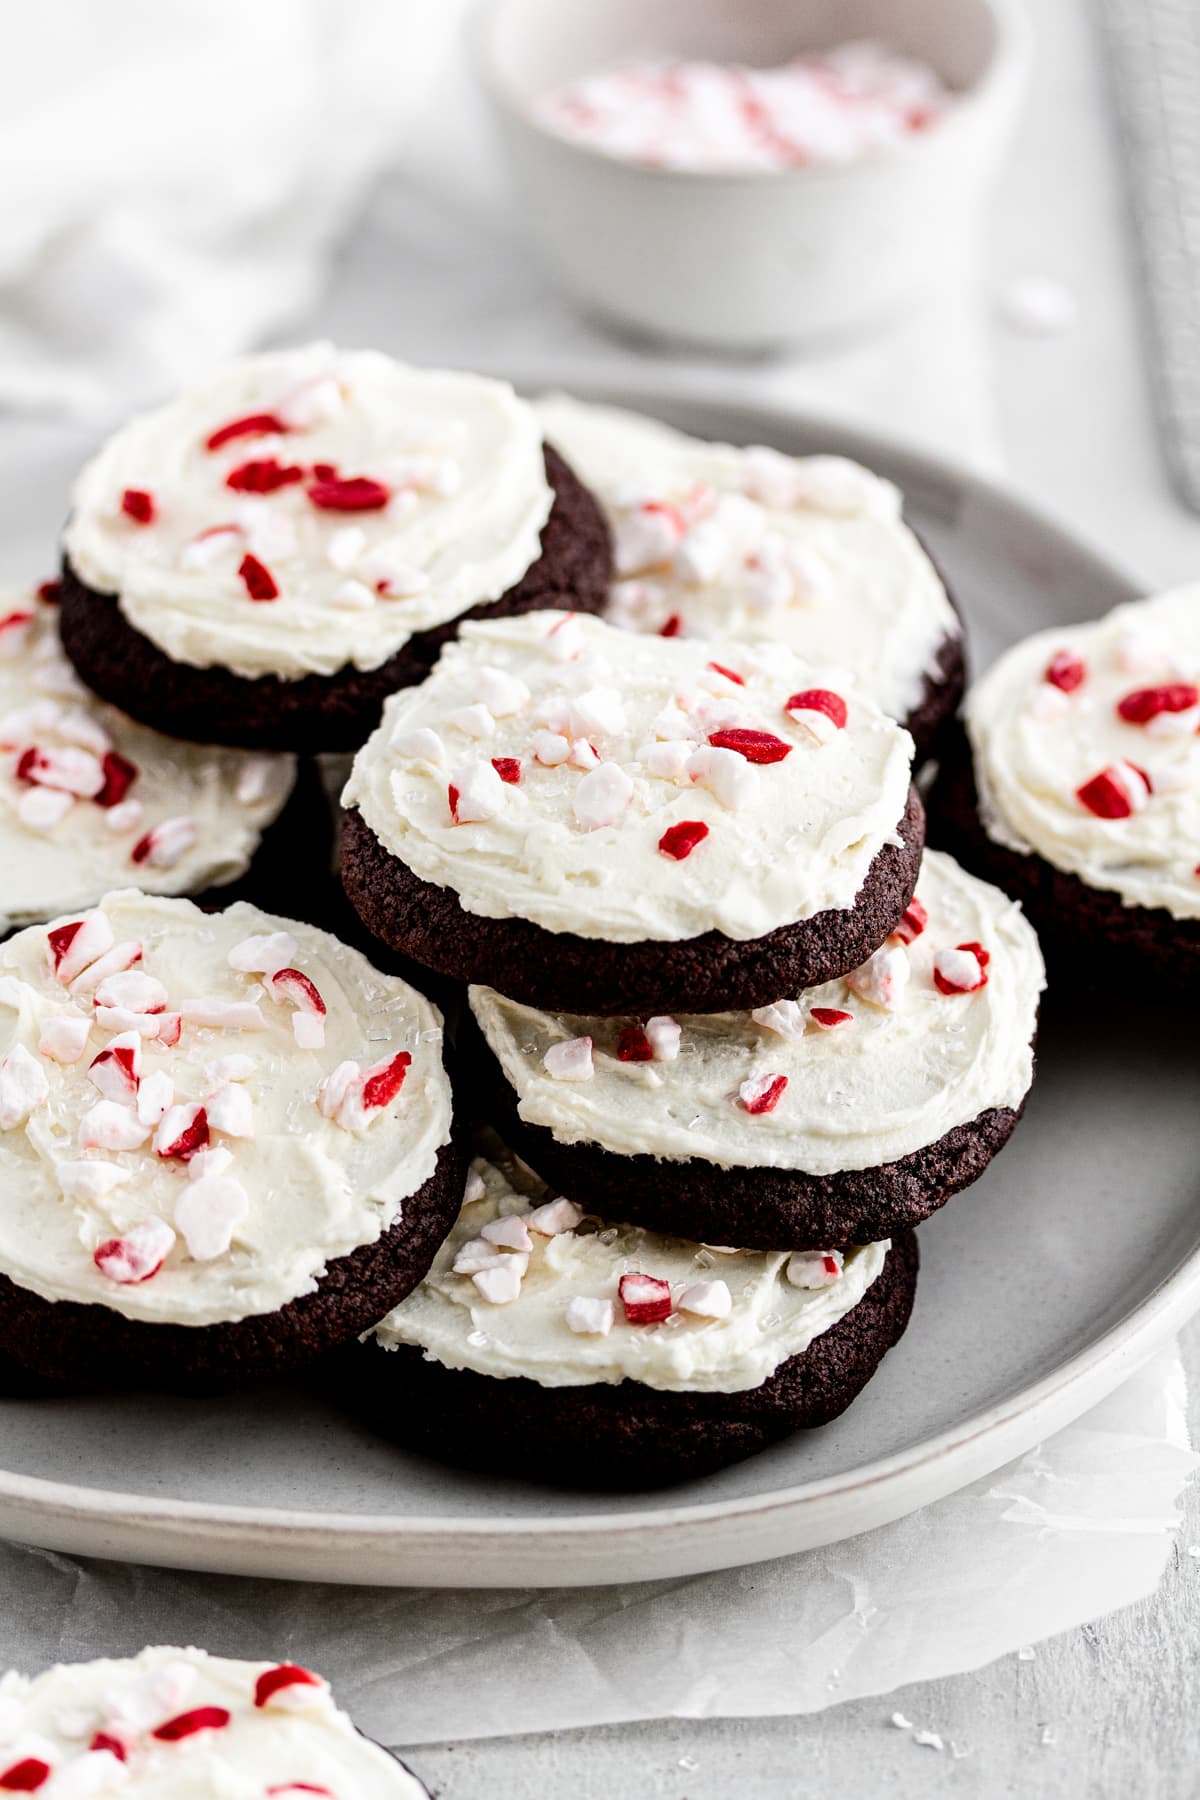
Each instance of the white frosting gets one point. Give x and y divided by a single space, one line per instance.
857 1096
229 796
786 839
298 1737
312 1188
1035 745
770 1319
822 559
461 457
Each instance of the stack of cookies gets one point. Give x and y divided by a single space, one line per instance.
722 1035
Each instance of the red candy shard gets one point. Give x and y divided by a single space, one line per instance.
192 1138
822 700
125 1262
283 1675
61 939
452 797
28 764
383 1083
253 425
830 1017
755 746
647 1301
295 986
1107 794
349 493
50 592
258 580
634 1046
287 1788
770 1097
263 477
982 957
508 768
678 841
25 1777
945 985
12 620
138 505
201 1718
119 776
1067 671
672 627
830 1265
1145 704
104 1740
729 674
170 1030
913 921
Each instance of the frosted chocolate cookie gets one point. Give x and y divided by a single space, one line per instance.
559 1347
225 1143
89 800
1081 794
262 561
839 1116
191 1726
598 822
757 547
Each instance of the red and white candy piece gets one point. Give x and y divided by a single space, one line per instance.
478 1254
230 1111
113 962
208 1212
663 1034
155 1097
962 970
117 1070
189 1724
706 1300
507 1233
830 1018
354 1097
132 991
263 955
1066 671
913 921
784 1017
815 1268
883 978
111 1126
215 1161
591 1318
182 1131
223 1015
666 761
602 796
501 693
64 1038
138 1255
500 1284
555 1217
475 794
550 748
1117 792
726 775
145 1700
166 844
570 1060
74 947
289 1687
70 770
819 712
762 1093
647 536
646 1299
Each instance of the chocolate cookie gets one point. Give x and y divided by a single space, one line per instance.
311 713
203 1184
627 1435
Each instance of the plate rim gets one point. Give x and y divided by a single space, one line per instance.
981 1443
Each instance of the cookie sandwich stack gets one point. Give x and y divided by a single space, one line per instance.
710 1005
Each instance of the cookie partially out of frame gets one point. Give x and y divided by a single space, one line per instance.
752 546
262 562
182 1722
727 830
225 1144
839 1117
1078 788
513 1385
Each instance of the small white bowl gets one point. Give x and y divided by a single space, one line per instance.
756 260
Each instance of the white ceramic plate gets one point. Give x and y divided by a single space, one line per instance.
1041 1288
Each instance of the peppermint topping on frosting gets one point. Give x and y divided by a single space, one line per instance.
182 1725
172 1143
856 1073
752 545
526 1286
1087 750
307 509
90 800
672 800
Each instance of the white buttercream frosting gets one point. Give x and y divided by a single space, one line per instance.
297 1171
461 460
60 849
809 551
613 735
93 1726
769 1318
1035 744
873 1088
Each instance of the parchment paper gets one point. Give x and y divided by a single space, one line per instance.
1076 1528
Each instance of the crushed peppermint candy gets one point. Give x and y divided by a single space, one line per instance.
786 1018
815 1268
762 1093
646 1300
883 978
589 1317
962 970
570 1060
1116 792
